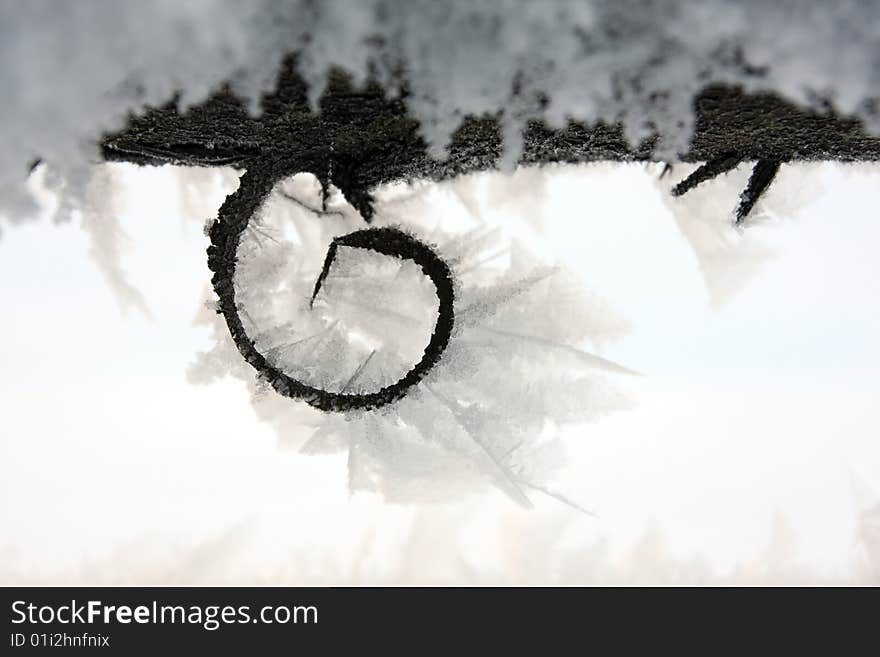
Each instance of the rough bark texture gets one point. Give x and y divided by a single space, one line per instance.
360 138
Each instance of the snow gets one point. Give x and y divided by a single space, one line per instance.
524 376
70 71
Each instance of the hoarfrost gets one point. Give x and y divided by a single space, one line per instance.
71 71
520 362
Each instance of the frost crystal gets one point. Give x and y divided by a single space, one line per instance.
518 362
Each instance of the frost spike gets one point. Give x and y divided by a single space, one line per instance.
762 176
707 171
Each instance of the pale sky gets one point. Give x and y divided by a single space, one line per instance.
113 466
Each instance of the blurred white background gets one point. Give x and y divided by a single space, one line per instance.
749 452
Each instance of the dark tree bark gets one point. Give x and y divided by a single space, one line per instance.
361 138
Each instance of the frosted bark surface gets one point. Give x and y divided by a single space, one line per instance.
71 71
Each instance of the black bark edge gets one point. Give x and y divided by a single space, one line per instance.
225 233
